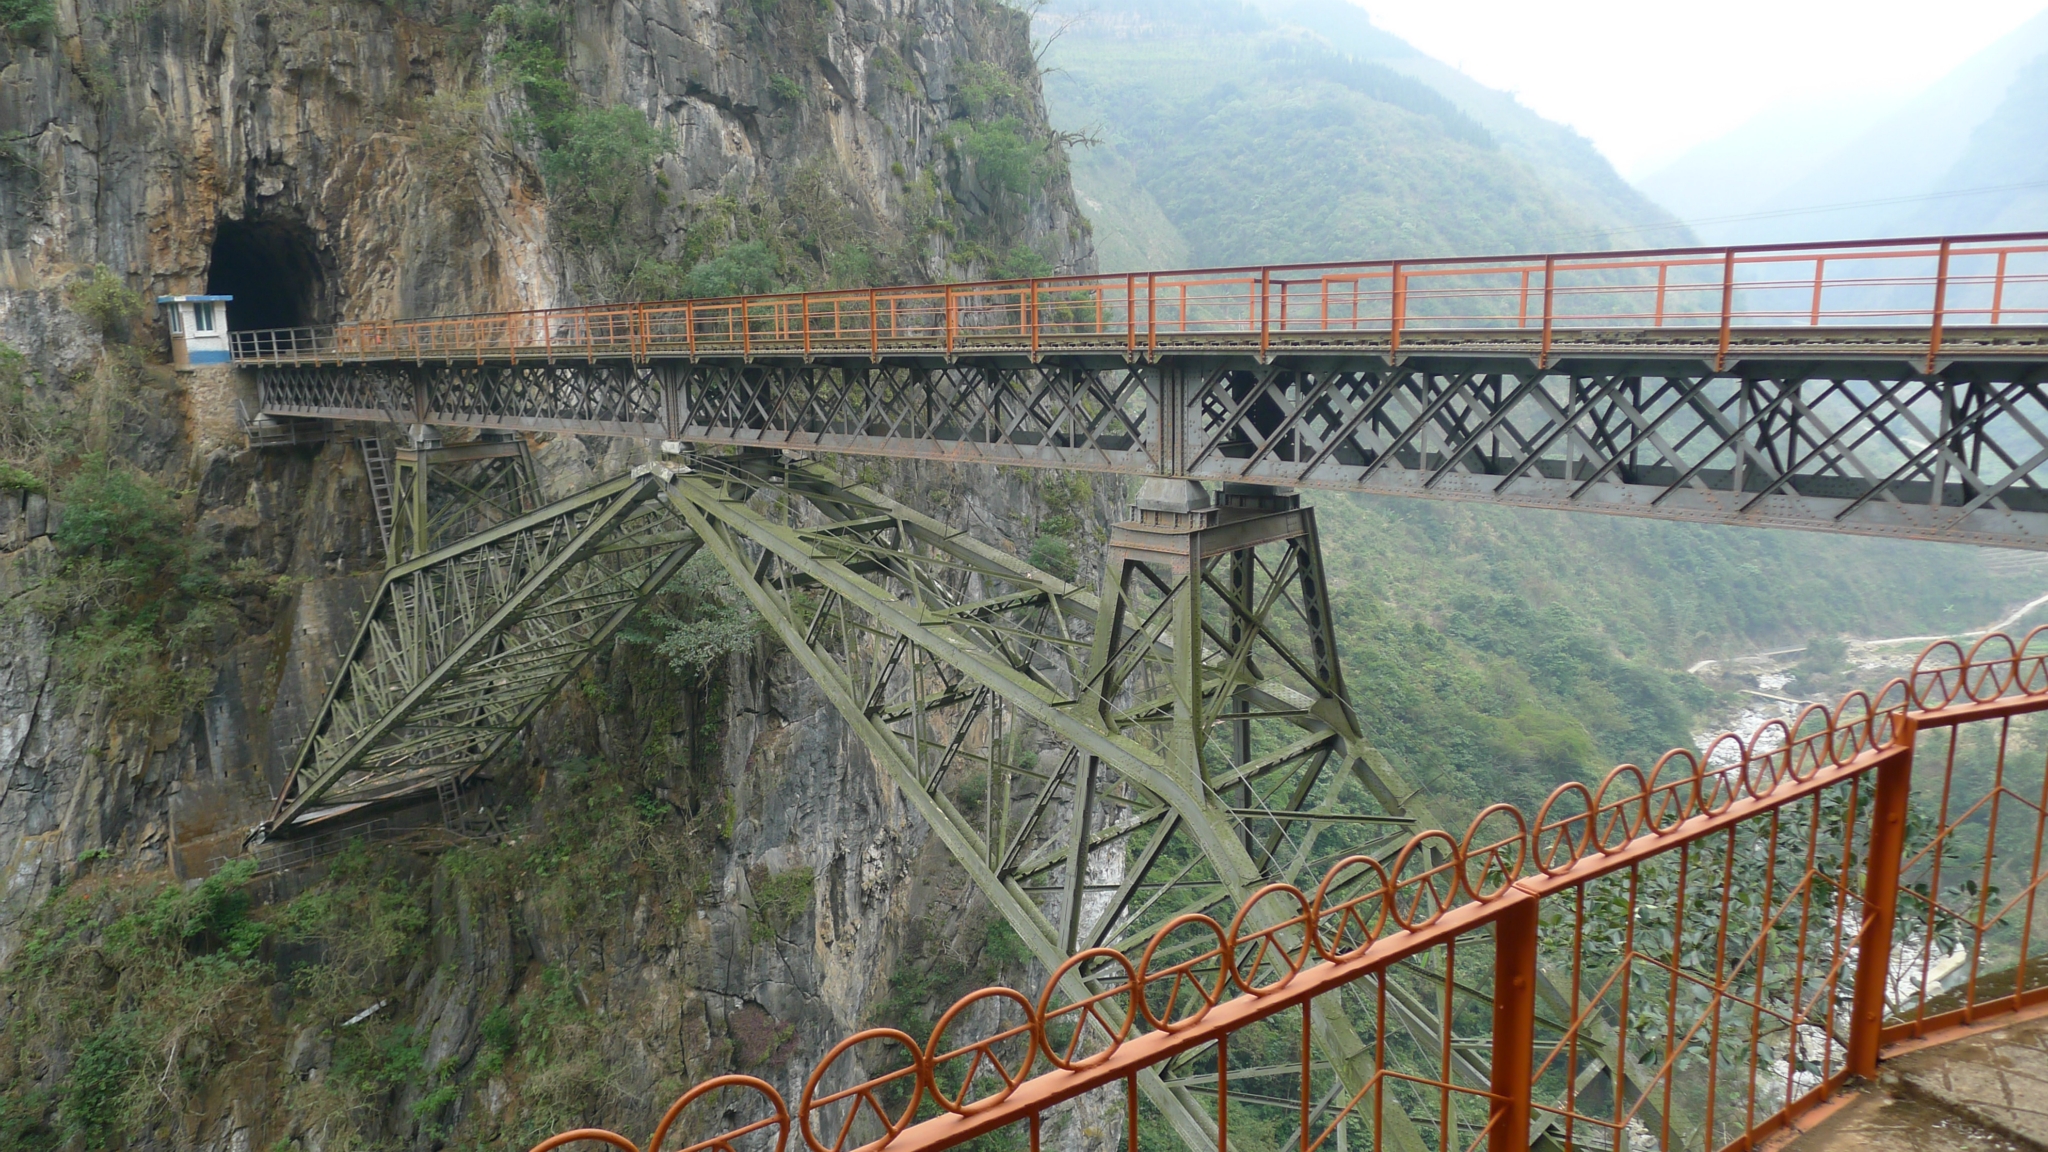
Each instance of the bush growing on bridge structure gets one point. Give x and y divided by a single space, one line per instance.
704 621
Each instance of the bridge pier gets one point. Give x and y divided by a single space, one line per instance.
1205 744
443 493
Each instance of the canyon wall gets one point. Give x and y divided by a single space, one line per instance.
692 874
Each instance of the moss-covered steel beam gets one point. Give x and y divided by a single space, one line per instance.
462 646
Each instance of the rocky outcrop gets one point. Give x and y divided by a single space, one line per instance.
377 156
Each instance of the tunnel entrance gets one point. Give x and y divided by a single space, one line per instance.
272 269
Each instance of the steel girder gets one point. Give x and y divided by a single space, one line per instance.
463 645
1209 705
1098 768
1840 441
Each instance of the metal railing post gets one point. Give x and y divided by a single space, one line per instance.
1131 313
1034 320
1880 904
1998 287
1940 308
1514 1023
1727 308
1399 309
1152 315
1549 309
1265 327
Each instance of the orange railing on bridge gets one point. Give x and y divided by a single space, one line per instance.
1688 956
1929 283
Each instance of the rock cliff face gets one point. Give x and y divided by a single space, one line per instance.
373 160
697 876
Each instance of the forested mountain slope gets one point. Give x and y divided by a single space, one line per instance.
1294 130
1493 651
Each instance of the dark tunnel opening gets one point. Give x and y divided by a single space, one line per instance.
272 269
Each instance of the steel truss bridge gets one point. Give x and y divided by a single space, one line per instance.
1207 746
1888 388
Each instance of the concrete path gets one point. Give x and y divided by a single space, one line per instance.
1985 1093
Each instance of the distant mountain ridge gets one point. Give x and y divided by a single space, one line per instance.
1242 131
1964 155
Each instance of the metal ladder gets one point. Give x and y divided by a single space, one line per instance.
449 792
378 464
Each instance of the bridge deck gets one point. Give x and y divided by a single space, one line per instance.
1889 388
1561 348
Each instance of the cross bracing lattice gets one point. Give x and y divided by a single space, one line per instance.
1867 449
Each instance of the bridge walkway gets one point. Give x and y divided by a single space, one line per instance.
1981 1093
1889 388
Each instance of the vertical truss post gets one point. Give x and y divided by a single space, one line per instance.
1233 592
1241 566
443 493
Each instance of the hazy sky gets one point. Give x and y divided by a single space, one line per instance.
1647 79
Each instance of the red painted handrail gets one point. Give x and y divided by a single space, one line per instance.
1931 283
1767 802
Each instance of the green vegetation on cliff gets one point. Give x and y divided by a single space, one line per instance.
630 232
133 999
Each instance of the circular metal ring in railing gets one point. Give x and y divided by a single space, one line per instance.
1556 847
1669 799
724 1141
1183 974
1768 764
575 1134
1434 889
1268 940
2033 663
863 1093
1614 824
1491 854
1367 912
982 1054
1989 672
1935 687
1087 1011
1721 773
1855 728
1894 701
1810 747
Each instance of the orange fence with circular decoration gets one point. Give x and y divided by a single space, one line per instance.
1778 882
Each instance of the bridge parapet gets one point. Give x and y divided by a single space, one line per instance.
1739 931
